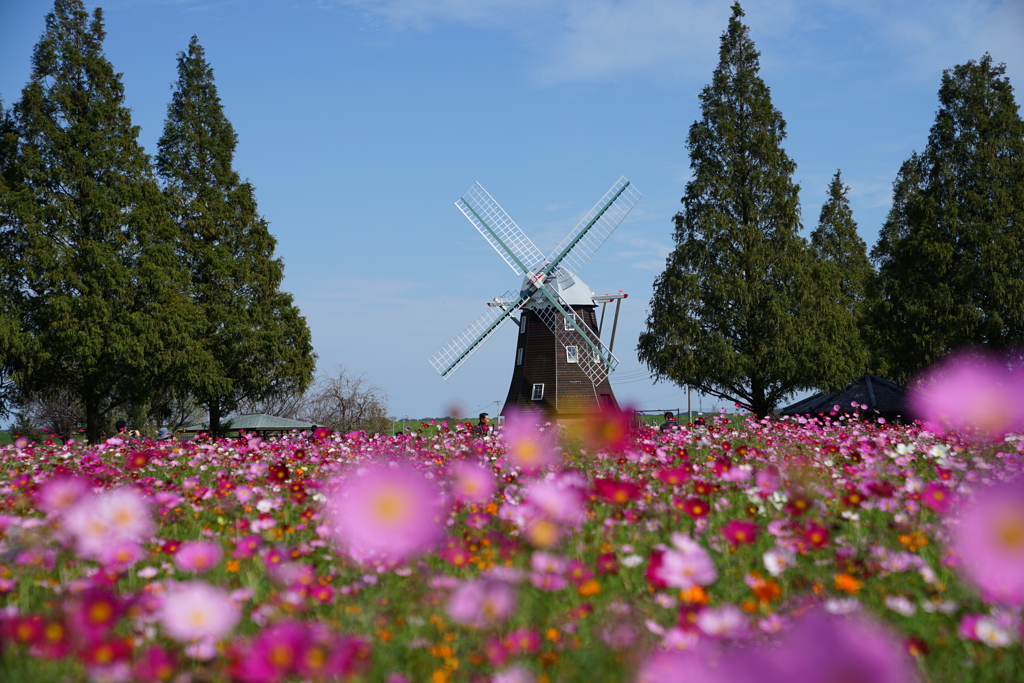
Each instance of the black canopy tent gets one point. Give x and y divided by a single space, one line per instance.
882 397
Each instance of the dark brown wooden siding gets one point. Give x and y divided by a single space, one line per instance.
567 389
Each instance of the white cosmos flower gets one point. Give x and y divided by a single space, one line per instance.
778 560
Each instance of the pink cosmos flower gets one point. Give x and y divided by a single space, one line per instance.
529 446
777 560
685 566
471 482
990 542
121 555
682 665
388 514
727 621
824 647
197 611
973 394
557 500
482 602
517 673
548 582
60 493
98 520
198 556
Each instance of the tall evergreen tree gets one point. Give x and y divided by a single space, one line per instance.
260 342
742 310
844 256
9 336
951 253
102 303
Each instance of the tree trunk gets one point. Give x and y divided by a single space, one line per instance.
92 419
215 415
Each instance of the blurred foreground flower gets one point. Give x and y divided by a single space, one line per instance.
530 447
100 520
482 602
821 648
824 647
197 611
472 482
198 556
990 542
975 395
386 515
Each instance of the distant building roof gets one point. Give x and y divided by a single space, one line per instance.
255 422
880 395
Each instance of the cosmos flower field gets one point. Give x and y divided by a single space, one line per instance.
826 549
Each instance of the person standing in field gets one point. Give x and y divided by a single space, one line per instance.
483 427
670 421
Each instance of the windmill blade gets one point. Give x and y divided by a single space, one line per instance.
595 228
594 358
458 350
500 230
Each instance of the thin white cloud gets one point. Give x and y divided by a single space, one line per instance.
589 40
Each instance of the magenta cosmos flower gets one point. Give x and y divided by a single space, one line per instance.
386 514
990 542
197 611
529 446
823 648
972 394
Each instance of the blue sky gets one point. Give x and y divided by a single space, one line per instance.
360 122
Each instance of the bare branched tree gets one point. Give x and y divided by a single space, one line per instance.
59 411
291 406
346 402
174 409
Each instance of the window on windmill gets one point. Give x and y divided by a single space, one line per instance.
572 354
568 323
519 356
522 324
538 392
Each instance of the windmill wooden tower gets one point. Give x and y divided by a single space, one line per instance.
561 364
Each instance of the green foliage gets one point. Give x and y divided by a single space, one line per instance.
103 309
844 257
743 310
9 337
951 254
256 336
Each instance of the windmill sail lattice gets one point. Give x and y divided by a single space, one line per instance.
551 293
456 352
500 231
596 227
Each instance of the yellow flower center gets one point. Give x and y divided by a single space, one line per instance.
1010 531
101 612
281 656
390 507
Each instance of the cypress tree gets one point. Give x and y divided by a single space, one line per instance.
743 311
9 336
844 257
951 253
102 301
259 341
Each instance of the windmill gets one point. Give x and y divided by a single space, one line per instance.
561 365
